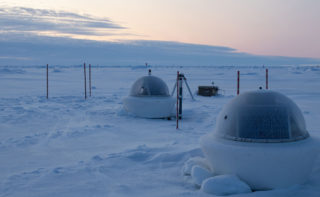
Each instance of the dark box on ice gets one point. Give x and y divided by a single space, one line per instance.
208 90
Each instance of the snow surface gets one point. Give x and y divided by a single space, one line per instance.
68 146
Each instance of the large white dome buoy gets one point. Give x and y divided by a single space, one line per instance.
261 137
150 98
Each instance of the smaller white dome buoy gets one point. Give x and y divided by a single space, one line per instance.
149 98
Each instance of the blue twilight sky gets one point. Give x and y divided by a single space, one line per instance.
260 27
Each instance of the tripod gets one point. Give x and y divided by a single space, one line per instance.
180 80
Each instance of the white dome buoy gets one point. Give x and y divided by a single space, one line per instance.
261 137
149 98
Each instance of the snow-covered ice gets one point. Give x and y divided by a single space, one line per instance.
68 146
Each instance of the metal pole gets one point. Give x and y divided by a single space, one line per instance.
267 80
47 81
185 80
180 95
174 88
238 83
85 81
90 79
177 104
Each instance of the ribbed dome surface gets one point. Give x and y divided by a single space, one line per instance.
149 86
261 116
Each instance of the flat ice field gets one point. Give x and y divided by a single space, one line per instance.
68 146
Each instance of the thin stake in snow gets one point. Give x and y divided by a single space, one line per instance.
181 76
90 79
267 80
47 81
177 105
238 83
85 81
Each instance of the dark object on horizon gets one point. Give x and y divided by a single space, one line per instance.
208 90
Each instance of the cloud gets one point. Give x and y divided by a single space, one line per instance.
22 42
36 21
29 49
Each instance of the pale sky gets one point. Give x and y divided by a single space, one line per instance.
264 27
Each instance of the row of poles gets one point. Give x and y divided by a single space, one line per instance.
180 78
177 84
85 80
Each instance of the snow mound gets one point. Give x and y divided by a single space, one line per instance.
223 185
199 174
201 161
